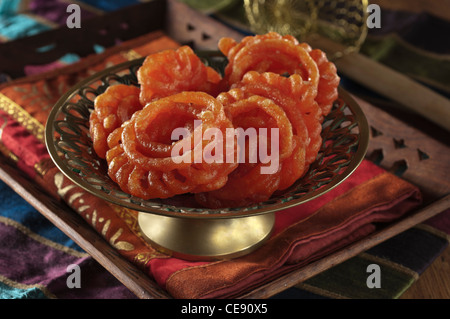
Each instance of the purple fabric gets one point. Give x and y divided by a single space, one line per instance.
28 261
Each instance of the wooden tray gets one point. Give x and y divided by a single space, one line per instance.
393 144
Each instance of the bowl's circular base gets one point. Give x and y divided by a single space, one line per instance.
206 239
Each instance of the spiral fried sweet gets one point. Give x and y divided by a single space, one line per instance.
112 108
173 71
327 89
145 162
248 183
297 98
270 52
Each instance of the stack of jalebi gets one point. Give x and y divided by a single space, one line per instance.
272 84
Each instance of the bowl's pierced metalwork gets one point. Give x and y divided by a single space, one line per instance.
345 137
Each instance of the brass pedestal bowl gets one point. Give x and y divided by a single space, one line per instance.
186 231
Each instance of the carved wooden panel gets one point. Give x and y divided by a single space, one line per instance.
407 152
190 27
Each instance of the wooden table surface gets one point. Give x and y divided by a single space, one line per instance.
434 283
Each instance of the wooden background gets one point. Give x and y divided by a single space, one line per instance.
435 281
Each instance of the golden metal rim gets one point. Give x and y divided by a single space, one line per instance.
189 212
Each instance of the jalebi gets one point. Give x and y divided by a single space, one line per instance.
272 52
327 91
145 162
174 71
297 98
248 183
112 108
